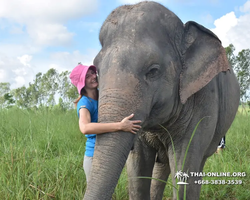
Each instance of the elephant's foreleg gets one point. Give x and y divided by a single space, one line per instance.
192 190
161 172
140 163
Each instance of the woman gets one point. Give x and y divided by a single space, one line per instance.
85 79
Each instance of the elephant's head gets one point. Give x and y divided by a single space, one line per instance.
150 64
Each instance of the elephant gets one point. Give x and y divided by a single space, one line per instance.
175 78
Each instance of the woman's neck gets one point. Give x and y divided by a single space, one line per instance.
93 94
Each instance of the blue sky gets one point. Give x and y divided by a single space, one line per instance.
36 35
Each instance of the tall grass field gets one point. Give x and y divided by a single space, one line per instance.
41 155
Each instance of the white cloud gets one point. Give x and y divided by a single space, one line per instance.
44 19
50 34
16 71
16 50
25 59
223 25
21 70
63 61
46 10
39 24
233 30
16 30
19 82
245 7
2 75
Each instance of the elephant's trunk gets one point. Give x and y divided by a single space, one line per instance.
111 153
112 149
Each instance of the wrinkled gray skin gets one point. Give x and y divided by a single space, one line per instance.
167 73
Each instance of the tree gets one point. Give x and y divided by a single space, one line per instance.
241 65
8 98
248 103
41 92
22 97
242 68
230 54
35 90
68 92
4 89
49 87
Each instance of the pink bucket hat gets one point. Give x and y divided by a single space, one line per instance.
78 75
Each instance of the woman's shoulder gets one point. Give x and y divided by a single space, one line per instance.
86 101
83 100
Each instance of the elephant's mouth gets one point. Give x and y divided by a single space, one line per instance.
154 115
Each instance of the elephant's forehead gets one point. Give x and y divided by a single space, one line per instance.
144 12
128 26
135 22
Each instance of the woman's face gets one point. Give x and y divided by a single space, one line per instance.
91 79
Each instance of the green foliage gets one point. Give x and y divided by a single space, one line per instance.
177 187
44 88
230 54
41 154
8 99
22 97
42 92
241 65
235 158
232 159
4 89
68 92
243 71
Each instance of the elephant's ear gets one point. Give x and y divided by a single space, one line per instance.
203 58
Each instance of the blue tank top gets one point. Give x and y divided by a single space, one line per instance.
92 106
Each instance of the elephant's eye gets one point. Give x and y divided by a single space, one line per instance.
153 72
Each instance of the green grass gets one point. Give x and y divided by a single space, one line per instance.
41 154
235 158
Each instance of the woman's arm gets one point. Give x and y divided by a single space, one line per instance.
88 127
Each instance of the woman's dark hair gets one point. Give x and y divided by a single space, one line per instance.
83 92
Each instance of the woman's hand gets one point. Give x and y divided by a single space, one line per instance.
130 125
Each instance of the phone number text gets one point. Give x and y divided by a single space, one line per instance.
218 182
